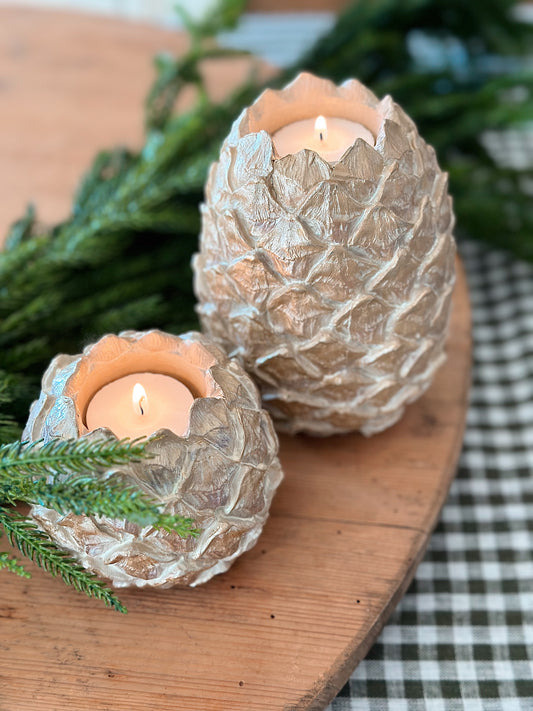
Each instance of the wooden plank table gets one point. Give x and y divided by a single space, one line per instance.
283 629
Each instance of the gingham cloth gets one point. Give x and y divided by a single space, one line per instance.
462 637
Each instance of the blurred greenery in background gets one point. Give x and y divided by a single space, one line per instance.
464 72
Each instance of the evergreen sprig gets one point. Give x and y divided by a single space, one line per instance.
36 546
24 460
21 479
55 475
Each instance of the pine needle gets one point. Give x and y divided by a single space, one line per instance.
10 563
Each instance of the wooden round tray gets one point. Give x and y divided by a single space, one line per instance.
283 629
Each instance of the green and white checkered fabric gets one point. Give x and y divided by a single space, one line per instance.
462 637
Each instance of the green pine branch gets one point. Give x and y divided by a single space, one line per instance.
108 497
66 456
36 546
66 475
78 477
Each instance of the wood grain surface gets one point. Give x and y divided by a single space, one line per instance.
283 629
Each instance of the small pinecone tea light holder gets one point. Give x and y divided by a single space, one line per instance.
214 453
326 260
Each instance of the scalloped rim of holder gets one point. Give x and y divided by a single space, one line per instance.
308 96
115 356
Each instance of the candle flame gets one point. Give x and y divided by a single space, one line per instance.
139 399
321 128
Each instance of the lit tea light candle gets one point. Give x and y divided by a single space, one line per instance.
330 137
139 404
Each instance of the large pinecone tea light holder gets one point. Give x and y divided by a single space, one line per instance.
221 471
328 274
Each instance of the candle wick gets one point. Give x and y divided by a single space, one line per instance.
139 399
141 408
321 129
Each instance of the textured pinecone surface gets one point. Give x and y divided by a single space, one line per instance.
223 473
331 283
